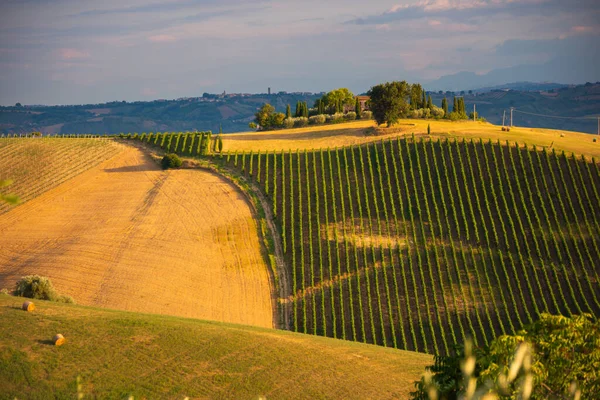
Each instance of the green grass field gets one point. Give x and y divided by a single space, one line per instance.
118 354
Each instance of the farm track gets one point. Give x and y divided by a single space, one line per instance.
127 235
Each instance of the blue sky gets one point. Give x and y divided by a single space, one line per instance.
79 51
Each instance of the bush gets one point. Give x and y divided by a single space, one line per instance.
350 116
366 115
426 113
454 116
300 122
288 123
170 160
437 112
335 118
317 119
39 287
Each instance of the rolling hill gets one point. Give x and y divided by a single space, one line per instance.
385 236
118 354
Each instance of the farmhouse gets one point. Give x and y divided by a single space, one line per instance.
363 104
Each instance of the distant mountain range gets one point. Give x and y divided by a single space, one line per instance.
555 70
234 111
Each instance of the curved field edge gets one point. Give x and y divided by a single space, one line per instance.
37 165
269 232
140 223
118 353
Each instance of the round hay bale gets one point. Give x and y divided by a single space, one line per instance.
562 135
594 140
58 339
28 306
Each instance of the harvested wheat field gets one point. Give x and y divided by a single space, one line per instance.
127 235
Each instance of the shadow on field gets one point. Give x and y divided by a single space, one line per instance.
132 168
46 342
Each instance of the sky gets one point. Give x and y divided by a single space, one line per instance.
82 52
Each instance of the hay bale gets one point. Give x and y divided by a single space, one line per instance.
562 135
28 306
58 339
594 140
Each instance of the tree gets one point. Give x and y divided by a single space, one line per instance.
252 125
560 351
263 116
424 101
357 108
18 105
389 102
304 109
429 102
220 144
415 96
288 111
338 98
298 112
276 120
455 105
445 106
429 129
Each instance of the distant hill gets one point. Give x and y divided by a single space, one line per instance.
524 87
571 108
233 112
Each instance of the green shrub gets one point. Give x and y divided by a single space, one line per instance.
350 116
366 115
317 119
288 123
39 287
300 122
170 160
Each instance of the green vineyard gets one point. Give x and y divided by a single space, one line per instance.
421 244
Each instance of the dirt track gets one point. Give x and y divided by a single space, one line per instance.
127 235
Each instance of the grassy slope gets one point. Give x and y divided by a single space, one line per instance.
119 353
358 132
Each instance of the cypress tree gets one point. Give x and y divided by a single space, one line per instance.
424 101
220 144
357 109
305 110
429 102
455 105
461 106
288 111
298 111
321 107
445 106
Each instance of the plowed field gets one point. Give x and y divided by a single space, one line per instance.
130 236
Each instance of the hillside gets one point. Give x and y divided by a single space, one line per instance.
117 354
39 164
130 236
418 244
360 132
573 108
233 112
